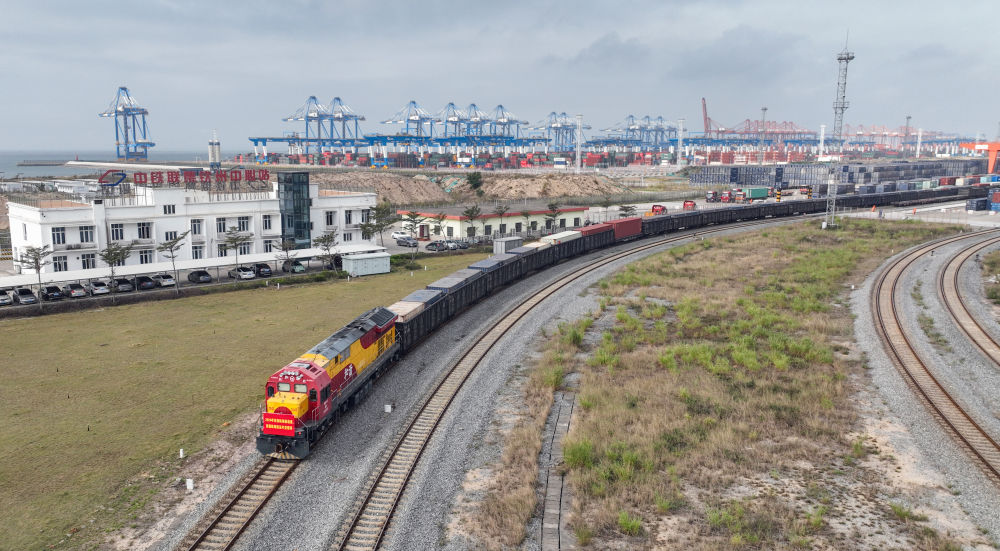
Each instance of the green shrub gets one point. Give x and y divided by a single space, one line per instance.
628 524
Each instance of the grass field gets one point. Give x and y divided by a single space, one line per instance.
715 363
93 398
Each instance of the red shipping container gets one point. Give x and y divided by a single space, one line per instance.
995 197
626 228
595 228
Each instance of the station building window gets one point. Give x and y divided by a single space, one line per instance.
59 263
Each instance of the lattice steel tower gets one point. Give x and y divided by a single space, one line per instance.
839 106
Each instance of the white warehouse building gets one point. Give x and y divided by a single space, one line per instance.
76 230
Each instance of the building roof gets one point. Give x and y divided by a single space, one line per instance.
455 213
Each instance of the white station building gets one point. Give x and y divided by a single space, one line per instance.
76 230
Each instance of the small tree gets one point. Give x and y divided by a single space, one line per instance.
412 221
285 251
36 258
326 243
169 249
606 203
475 180
552 215
500 211
115 255
526 214
381 218
234 239
470 214
438 222
626 211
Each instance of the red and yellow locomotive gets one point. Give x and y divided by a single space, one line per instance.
306 396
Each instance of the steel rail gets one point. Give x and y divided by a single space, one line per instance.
917 374
368 525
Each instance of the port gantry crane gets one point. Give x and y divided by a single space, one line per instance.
132 141
560 130
314 114
414 120
646 132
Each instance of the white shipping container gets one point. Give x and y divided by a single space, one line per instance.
562 237
538 245
366 264
505 244
406 310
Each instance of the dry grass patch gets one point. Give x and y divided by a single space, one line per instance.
97 397
511 499
734 376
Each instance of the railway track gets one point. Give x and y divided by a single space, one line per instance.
916 373
372 513
957 307
240 510
367 526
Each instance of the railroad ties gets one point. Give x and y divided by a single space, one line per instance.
918 375
367 525
240 510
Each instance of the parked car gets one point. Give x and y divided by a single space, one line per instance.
459 244
164 280
262 270
122 285
437 246
74 290
5 298
452 245
400 234
23 295
242 272
51 292
143 283
199 276
407 242
293 266
98 287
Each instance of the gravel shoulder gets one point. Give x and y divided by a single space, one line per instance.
928 472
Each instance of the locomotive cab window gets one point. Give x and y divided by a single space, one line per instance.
301 388
312 395
284 387
270 391
325 393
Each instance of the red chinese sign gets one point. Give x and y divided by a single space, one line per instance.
235 175
279 424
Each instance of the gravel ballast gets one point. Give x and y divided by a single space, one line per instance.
947 479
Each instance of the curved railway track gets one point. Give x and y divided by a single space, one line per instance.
957 307
367 527
372 513
240 510
917 374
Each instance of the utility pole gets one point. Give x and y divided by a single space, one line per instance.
579 140
760 138
680 142
906 133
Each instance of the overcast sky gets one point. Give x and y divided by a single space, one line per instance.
240 67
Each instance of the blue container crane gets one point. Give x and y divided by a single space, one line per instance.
132 141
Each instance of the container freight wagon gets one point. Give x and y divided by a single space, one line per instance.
458 293
500 269
597 235
626 228
566 244
419 322
544 255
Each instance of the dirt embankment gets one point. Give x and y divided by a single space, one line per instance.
548 185
395 188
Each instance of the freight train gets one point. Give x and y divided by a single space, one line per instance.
306 396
